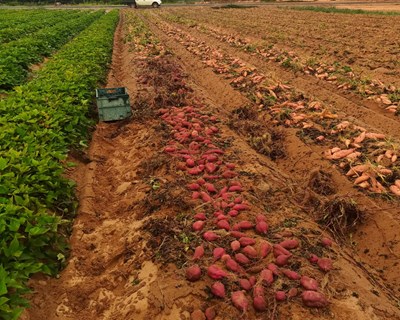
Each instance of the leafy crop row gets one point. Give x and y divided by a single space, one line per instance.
36 23
9 18
17 56
39 122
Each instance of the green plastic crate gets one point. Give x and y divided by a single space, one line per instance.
113 104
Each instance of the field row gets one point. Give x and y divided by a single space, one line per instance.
40 122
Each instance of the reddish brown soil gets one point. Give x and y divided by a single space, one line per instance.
129 245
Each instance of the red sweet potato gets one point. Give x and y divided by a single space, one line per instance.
198 225
266 277
250 252
216 273
210 187
313 258
240 301
200 216
223 224
325 264
274 268
210 313
259 303
292 293
237 234
241 258
280 296
314 299
282 260
246 241
232 265
198 253
218 253
245 284
193 273
309 283
210 236
262 227
265 248
233 213
326 242
235 245
289 244
279 250
218 289
193 186
292 275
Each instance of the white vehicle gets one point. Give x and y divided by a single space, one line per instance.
142 3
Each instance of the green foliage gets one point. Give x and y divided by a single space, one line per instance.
348 11
39 122
16 56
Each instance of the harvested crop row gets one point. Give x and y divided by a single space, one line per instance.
290 108
16 56
39 124
341 76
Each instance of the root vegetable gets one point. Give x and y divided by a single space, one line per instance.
259 303
262 227
240 207
314 299
274 269
235 245
214 272
362 178
340 154
218 289
232 265
252 280
195 195
210 313
246 241
267 277
240 301
309 283
241 258
190 162
235 189
313 258
233 213
280 296
222 217
210 236
395 189
279 250
193 273
205 196
198 253
282 260
200 216
245 284
261 217
228 174
193 186
250 252
265 248
326 242
210 187
292 275
211 167
198 225
237 234
290 244
218 253
223 224
325 264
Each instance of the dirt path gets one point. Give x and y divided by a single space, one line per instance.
133 237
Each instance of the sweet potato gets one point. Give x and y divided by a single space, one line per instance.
241 258
200 216
274 269
228 174
250 252
245 284
259 303
232 265
262 227
235 245
210 313
309 283
314 299
218 253
216 273
325 264
190 162
210 236
237 234
292 275
261 217
313 258
280 296
193 273
211 167
195 195
198 225
326 242
218 289
266 277
233 213
223 224
241 207
193 186
235 189
279 250
246 241
289 244
252 280
282 260
240 301
292 293
205 196
210 187
265 248
222 217
198 253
